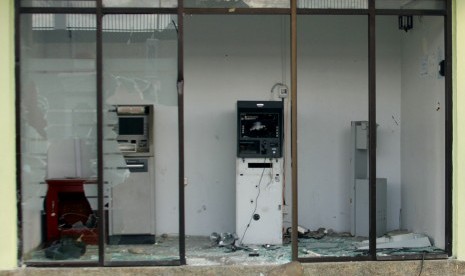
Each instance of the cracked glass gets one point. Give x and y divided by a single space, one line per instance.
58 138
140 137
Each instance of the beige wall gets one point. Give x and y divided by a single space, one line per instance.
8 240
459 131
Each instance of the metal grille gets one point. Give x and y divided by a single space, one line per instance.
43 22
113 23
137 23
141 3
333 4
59 3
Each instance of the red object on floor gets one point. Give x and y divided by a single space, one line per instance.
66 200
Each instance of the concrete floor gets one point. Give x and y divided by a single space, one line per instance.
410 268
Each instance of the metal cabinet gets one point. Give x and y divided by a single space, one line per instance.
132 215
259 192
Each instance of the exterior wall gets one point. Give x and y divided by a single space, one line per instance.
8 237
459 131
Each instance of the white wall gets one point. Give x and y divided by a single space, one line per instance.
388 115
227 58
332 92
423 129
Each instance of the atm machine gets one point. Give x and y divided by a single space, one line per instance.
360 199
132 206
259 172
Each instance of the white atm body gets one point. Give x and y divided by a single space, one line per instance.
259 200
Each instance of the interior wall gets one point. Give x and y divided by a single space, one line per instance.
422 141
226 61
227 58
333 91
388 112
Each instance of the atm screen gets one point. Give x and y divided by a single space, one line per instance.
131 125
259 125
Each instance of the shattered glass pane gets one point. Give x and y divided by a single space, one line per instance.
140 136
58 142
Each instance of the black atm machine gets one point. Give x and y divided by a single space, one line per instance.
260 129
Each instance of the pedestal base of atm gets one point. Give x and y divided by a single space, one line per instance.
259 197
360 214
132 213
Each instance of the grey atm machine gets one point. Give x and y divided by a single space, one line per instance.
132 206
360 185
259 172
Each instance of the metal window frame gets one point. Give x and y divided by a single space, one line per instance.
293 11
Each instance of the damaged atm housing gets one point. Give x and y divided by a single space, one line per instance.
259 172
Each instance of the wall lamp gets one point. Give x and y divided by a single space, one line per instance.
405 22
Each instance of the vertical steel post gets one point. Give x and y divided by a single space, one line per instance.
99 75
294 235
180 89
372 125
18 126
448 128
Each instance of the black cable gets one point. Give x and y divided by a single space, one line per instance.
422 263
256 202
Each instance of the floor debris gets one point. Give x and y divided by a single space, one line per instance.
409 240
200 251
